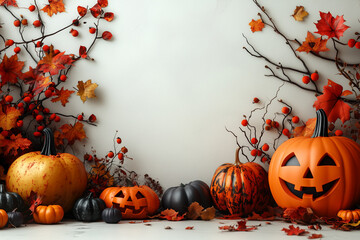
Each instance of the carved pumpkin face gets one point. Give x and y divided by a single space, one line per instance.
136 202
319 172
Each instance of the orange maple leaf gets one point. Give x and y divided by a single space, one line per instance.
294 230
171 215
53 63
86 90
300 13
257 25
73 133
305 130
10 69
62 96
8 3
331 103
11 146
8 118
54 7
313 44
35 78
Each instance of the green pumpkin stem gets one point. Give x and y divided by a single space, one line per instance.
237 159
49 143
321 127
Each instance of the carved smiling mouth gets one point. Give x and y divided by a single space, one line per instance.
311 190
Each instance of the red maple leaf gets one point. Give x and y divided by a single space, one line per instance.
53 63
294 230
171 215
315 236
35 78
12 145
10 69
8 3
241 226
62 96
332 104
82 52
313 44
54 7
330 26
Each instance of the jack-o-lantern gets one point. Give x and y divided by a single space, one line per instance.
136 202
320 172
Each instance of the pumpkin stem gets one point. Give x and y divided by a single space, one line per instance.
90 195
237 159
2 188
321 127
49 143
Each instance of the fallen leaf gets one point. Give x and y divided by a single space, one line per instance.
294 230
305 130
168 228
313 44
171 215
300 13
330 102
194 211
241 226
10 69
54 7
86 90
72 133
299 215
189 228
62 96
315 236
8 118
330 26
208 214
257 25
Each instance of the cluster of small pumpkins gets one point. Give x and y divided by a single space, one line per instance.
318 172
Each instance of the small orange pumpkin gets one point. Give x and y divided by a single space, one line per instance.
320 172
137 202
3 218
48 214
349 215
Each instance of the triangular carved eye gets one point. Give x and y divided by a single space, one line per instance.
327 161
292 161
120 194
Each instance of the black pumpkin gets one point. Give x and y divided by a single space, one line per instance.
88 209
10 200
15 218
111 215
179 198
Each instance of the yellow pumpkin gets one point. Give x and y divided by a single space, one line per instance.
59 178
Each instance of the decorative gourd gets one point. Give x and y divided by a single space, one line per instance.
3 218
111 215
349 215
108 194
240 188
88 209
320 172
180 198
59 178
136 202
15 218
10 200
48 214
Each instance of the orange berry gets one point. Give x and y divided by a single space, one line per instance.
17 49
357 45
9 98
27 99
267 128
254 152
306 79
110 154
31 8
48 93
268 121
254 140
118 140
40 128
256 100
37 23
31 106
20 123
244 122
74 32
37 134
120 156
275 124
265 147
124 150
315 76
259 153
46 110
20 105
351 42
92 30
339 133
285 110
17 23
295 119
46 48
80 117
264 159
57 118
24 22
9 42
286 132
52 117
39 118
63 78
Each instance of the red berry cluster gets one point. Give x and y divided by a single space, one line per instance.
353 43
313 77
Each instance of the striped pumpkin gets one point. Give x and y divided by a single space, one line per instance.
240 188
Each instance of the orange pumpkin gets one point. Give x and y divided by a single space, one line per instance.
349 215
136 202
48 214
240 188
3 218
320 172
59 178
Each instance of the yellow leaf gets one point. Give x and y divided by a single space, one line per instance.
86 90
8 118
300 13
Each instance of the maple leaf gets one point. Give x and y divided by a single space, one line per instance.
35 200
315 236
86 90
171 215
35 78
82 52
294 230
208 214
194 211
8 3
12 145
10 69
53 63
58 139
241 226
9 117
73 133
331 103
54 7
313 44
82 11
330 26
62 96
305 130
300 13
257 25
299 215
189 228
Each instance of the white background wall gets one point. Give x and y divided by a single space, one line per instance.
175 75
